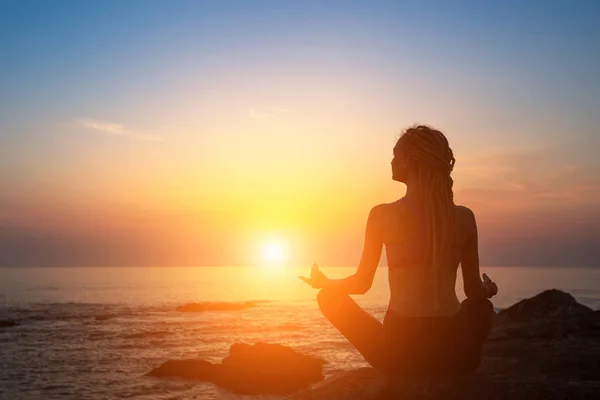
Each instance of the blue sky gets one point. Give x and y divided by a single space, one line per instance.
106 107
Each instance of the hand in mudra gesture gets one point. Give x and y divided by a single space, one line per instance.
317 279
490 286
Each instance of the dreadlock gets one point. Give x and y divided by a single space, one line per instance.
432 160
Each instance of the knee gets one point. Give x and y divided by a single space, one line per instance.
478 306
325 297
480 314
329 300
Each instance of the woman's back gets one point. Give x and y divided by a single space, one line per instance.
412 283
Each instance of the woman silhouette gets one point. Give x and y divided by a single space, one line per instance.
426 329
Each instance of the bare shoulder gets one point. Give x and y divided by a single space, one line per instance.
465 216
464 212
381 211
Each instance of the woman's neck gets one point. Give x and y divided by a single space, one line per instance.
412 190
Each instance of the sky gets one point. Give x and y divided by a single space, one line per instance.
194 132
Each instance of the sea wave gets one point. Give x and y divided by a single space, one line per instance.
79 312
148 335
219 306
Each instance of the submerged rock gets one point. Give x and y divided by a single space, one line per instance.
545 347
209 306
261 368
7 323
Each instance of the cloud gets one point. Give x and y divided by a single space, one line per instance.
103 127
266 113
112 129
252 113
533 179
534 206
279 110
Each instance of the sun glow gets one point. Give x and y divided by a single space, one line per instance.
274 253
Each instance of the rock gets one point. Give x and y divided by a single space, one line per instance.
550 304
208 306
7 323
545 347
368 384
363 383
550 314
104 317
283 361
258 369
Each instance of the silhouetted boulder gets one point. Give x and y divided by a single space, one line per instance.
549 304
283 361
222 306
7 323
550 314
261 368
545 347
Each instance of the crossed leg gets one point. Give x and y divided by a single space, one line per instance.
367 335
361 329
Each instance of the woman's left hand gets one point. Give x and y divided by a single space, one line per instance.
490 286
317 279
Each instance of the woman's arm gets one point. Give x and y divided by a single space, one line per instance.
473 286
361 281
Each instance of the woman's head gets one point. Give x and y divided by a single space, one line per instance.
421 151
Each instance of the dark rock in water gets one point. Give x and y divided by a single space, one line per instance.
7 323
548 304
262 368
208 306
546 347
104 317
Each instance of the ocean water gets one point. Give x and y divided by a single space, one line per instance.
61 351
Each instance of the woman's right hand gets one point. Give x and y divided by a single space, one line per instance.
317 279
490 286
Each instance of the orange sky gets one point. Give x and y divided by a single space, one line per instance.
175 142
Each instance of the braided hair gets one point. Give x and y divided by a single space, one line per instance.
431 159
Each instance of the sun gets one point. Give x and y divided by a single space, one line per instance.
273 253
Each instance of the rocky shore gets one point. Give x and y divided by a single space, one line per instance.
545 347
